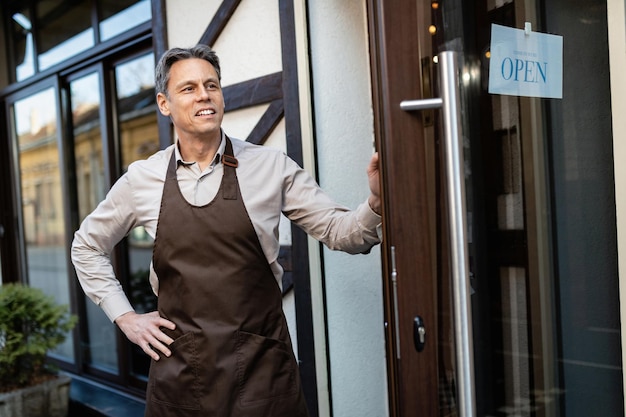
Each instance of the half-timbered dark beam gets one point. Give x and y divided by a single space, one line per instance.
219 22
253 92
268 123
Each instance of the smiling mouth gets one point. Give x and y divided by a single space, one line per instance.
206 112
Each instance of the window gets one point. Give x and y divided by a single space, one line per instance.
34 129
139 138
137 135
46 33
79 112
63 31
119 16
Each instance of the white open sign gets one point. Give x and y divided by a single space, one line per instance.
525 63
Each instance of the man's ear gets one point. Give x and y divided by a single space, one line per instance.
163 104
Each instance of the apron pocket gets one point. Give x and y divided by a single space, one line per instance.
266 369
174 380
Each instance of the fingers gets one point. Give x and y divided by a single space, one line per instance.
148 350
160 321
158 342
372 168
145 330
373 174
167 324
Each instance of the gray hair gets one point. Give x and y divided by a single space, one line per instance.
162 73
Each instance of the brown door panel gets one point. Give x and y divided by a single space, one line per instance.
407 210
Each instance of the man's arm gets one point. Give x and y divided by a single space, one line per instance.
338 227
93 243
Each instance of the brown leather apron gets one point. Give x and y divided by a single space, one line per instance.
232 354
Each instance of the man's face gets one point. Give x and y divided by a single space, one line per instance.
195 103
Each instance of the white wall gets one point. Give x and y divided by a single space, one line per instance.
344 134
616 12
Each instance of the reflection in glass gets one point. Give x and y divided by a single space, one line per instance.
64 30
90 186
136 102
138 140
36 134
85 99
121 15
22 38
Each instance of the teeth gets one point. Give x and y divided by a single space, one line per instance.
205 112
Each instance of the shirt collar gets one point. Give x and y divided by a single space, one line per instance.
216 158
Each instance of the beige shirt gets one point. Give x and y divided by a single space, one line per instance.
270 182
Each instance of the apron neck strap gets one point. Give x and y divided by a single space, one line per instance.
229 185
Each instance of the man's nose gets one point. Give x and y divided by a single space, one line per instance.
203 93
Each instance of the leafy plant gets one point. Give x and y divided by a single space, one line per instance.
31 324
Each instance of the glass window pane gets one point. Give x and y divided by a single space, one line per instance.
139 139
137 109
35 132
64 30
22 41
121 15
99 348
85 99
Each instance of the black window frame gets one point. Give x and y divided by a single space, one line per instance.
103 57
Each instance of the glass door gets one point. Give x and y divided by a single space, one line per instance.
40 171
70 138
541 220
540 208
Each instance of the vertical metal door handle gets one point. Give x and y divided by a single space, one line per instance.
455 177
394 282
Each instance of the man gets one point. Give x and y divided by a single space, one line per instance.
219 340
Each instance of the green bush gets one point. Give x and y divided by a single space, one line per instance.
31 323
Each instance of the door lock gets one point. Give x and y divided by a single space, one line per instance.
419 333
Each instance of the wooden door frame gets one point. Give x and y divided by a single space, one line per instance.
407 213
